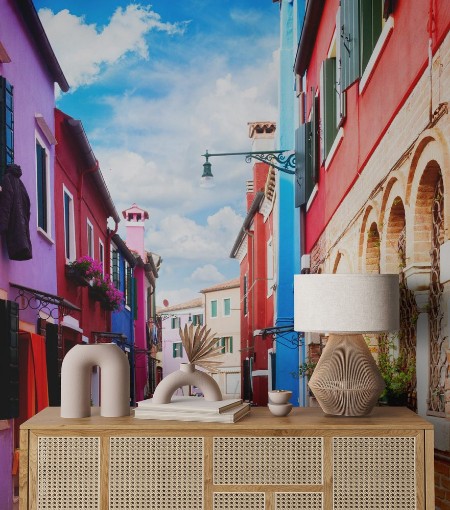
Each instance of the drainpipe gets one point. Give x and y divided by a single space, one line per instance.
250 288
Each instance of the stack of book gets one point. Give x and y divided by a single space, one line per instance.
193 409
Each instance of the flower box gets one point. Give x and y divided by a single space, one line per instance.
73 274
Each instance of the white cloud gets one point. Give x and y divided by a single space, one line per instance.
84 51
207 274
178 237
175 297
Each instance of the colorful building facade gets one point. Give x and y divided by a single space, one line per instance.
28 73
373 153
254 248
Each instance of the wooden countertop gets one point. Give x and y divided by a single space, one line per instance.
311 418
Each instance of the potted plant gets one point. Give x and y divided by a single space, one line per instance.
103 290
397 371
83 270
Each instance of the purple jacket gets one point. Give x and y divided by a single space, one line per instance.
15 215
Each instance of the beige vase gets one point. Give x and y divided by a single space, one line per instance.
188 375
76 372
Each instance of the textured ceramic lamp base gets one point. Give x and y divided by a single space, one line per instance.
346 380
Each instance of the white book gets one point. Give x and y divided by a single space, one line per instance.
229 416
191 405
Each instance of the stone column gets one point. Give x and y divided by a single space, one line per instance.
422 350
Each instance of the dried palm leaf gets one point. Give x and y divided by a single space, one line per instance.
200 346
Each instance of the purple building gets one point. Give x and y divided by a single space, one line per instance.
28 72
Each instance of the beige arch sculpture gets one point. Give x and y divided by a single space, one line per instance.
76 374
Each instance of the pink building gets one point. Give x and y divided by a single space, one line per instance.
145 273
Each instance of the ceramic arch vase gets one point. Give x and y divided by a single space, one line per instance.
188 375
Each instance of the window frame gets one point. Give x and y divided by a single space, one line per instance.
197 319
101 254
175 322
70 249
225 300
115 266
6 149
216 314
46 228
177 349
90 239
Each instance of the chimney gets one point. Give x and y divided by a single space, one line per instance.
262 135
135 217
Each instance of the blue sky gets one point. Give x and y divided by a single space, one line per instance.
155 85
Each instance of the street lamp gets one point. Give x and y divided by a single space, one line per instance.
284 161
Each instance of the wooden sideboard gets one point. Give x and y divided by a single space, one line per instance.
303 461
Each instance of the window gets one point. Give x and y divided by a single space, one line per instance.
226 307
197 320
269 266
175 322
115 272
43 187
214 308
101 255
307 156
90 239
128 285
69 226
226 342
6 125
245 302
177 349
360 27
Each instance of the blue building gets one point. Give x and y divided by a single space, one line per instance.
288 353
123 262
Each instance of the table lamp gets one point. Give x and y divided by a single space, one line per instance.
346 380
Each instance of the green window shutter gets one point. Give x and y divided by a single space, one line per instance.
231 344
135 298
349 42
371 16
9 359
129 284
329 114
213 308
115 269
300 166
174 350
314 169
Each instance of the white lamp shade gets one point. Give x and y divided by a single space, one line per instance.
346 303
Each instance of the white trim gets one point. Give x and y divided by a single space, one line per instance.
312 197
242 252
71 323
101 250
260 373
90 246
376 54
49 196
44 234
72 240
334 147
266 208
45 128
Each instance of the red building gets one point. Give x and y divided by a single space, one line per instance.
82 208
254 250
373 153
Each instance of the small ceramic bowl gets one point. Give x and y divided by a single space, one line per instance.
280 409
279 396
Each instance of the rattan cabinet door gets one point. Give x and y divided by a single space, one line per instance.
374 473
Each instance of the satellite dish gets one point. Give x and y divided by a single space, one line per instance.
166 303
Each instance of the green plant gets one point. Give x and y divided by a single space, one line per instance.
306 369
396 368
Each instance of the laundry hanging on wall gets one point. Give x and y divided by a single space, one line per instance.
15 214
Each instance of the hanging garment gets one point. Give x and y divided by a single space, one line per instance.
15 214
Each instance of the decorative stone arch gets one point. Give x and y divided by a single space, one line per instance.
342 263
393 223
431 156
369 242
